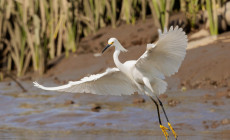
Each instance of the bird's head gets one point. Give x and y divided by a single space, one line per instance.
114 42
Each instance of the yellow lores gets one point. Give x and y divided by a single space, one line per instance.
111 43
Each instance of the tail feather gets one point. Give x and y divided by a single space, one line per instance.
159 86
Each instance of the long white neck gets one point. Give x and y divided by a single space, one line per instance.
117 62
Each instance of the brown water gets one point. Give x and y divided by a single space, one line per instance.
42 115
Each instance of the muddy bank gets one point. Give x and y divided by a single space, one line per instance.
197 100
207 66
128 35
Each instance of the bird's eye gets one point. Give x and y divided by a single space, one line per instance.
111 43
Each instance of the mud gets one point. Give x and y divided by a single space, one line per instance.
197 100
45 115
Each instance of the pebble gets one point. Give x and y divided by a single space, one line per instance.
215 124
217 103
69 102
139 101
228 95
173 103
225 121
96 108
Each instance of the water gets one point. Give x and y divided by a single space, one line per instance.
43 115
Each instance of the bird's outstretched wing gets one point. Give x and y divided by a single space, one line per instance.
111 82
164 58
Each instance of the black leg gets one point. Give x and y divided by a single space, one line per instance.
159 117
170 126
158 111
163 109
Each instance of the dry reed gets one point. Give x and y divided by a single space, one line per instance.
34 32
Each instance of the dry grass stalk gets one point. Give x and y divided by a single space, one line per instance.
34 32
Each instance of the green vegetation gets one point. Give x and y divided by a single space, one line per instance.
34 32
193 9
161 10
211 7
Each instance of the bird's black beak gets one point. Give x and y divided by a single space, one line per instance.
106 47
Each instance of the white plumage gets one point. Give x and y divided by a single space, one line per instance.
145 75
166 56
100 84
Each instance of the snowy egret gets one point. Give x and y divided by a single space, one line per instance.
145 75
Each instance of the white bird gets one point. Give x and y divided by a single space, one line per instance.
145 75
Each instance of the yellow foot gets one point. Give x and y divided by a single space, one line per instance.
174 133
164 131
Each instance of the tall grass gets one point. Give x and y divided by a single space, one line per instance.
192 10
161 10
34 32
212 15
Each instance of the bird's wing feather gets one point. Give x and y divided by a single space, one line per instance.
111 82
164 58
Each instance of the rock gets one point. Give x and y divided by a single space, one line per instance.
225 121
213 83
183 83
96 108
173 103
215 124
206 126
228 95
69 102
217 103
139 101
9 84
196 84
